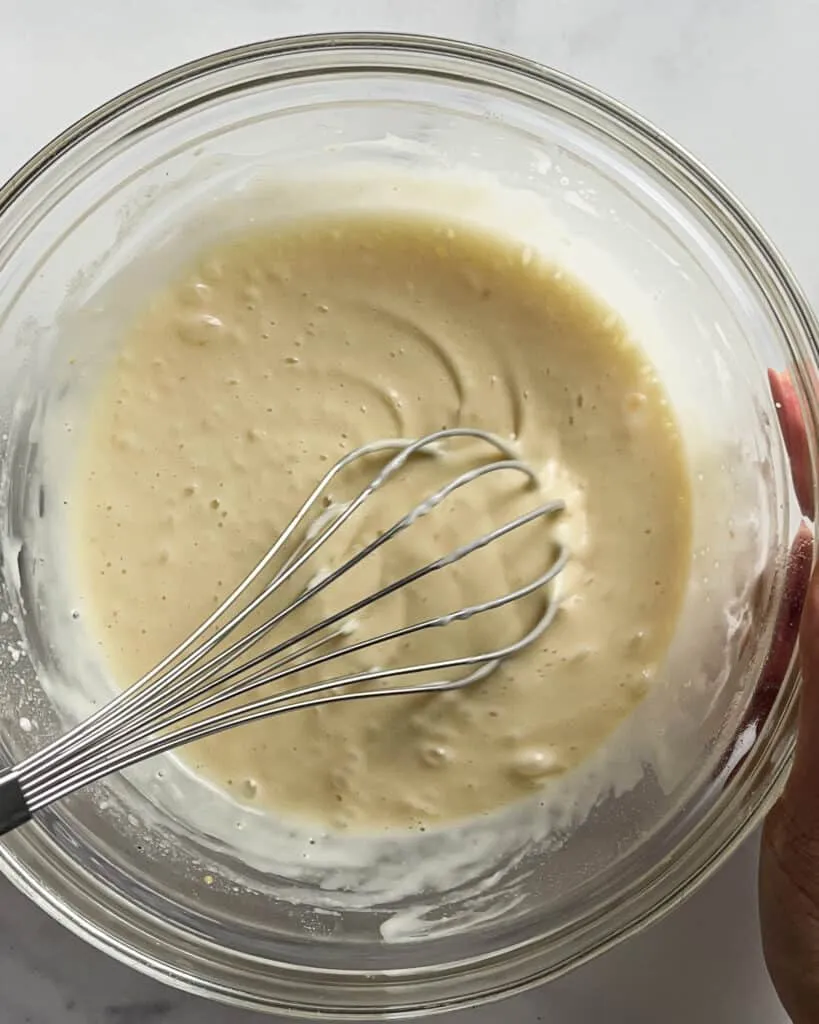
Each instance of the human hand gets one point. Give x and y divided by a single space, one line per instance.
789 860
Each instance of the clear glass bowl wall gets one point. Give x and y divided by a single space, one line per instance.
101 194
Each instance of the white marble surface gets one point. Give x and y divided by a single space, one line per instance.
734 80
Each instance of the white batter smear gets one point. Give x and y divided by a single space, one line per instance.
277 351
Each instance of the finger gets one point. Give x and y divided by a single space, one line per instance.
784 638
795 435
800 800
786 629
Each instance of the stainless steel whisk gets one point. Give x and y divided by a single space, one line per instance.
164 708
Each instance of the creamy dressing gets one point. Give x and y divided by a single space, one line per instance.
279 350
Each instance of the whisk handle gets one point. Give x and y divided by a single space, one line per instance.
14 809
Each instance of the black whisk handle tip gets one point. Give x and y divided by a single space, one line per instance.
14 809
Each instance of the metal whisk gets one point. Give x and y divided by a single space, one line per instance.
175 703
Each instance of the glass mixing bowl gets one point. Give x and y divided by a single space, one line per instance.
180 904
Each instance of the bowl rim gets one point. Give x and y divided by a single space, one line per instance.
770 274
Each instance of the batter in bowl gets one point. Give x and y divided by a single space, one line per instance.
277 351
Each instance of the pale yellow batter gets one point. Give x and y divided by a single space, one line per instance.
279 351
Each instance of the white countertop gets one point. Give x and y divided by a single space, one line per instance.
735 81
